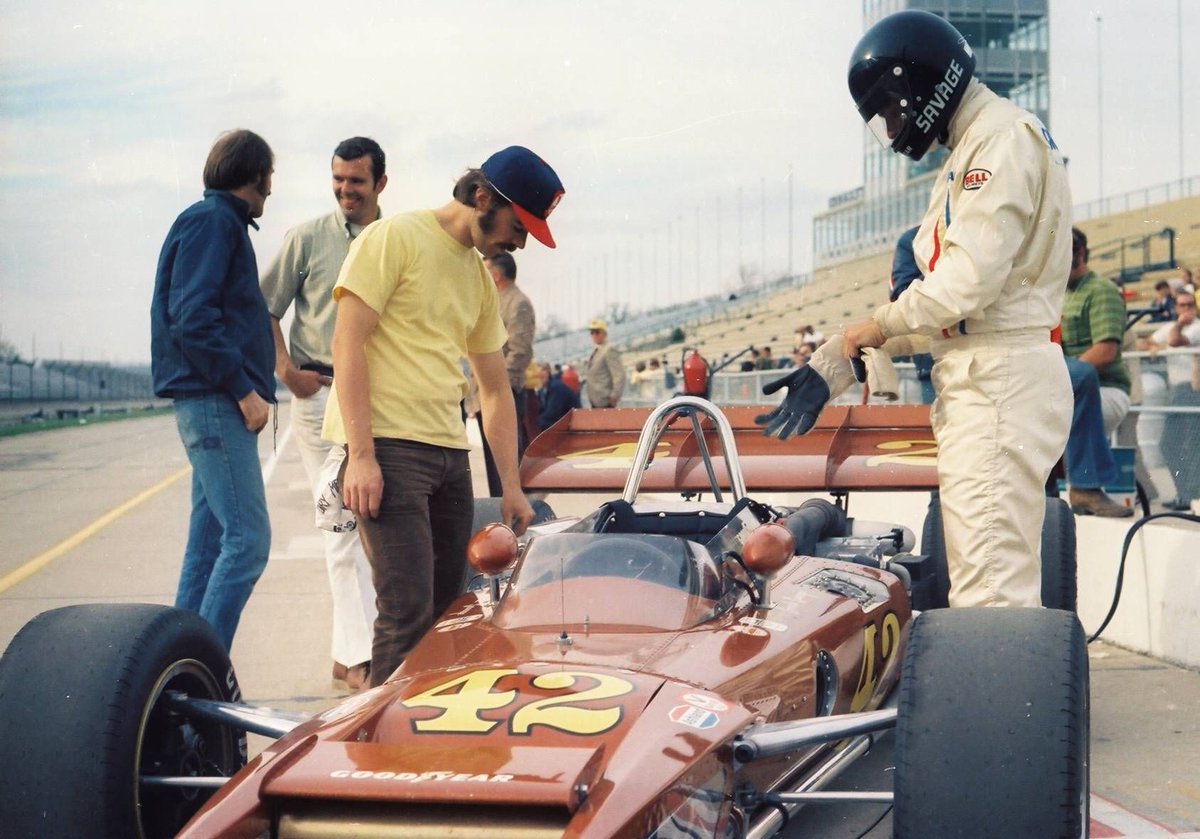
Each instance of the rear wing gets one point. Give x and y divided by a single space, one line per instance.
855 447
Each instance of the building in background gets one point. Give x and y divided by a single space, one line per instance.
1011 41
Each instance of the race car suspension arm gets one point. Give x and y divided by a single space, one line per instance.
772 739
257 720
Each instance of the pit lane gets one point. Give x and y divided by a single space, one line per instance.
98 513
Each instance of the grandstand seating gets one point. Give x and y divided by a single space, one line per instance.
847 292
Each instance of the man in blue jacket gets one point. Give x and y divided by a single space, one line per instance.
213 353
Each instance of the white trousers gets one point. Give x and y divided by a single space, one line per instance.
1001 419
1114 405
349 572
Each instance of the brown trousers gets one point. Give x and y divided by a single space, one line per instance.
418 545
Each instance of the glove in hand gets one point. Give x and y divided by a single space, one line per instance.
806 396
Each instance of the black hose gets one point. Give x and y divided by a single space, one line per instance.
816 519
1124 555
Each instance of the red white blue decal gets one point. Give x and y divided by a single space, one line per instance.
694 717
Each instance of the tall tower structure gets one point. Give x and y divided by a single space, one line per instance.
1011 40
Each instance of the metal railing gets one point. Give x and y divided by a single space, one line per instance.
1138 198
62 381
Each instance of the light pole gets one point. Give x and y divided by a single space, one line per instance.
717 227
763 231
1099 111
1179 48
791 228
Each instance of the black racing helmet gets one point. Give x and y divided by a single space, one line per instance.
907 76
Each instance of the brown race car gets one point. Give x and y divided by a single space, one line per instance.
668 668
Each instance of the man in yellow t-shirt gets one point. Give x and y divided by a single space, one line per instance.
413 299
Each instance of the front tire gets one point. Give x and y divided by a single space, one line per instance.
83 718
992 734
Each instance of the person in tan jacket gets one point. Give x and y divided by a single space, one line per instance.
521 323
605 370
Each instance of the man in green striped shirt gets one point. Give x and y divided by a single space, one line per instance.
1093 326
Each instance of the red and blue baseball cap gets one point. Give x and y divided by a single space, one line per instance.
529 184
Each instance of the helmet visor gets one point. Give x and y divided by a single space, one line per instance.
887 107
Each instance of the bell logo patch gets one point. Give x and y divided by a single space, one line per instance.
976 178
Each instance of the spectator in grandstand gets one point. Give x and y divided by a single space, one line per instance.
605 369
520 321
529 418
764 360
554 397
1184 331
799 357
667 373
395 405
211 351
1163 305
570 378
1093 326
1179 435
647 380
749 365
995 267
303 273
807 335
904 274
1184 280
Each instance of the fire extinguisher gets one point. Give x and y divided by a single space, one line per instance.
696 374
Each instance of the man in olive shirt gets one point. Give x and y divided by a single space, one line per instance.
303 274
1093 326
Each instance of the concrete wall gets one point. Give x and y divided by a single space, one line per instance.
1159 612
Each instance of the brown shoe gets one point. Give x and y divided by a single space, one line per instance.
358 677
1094 502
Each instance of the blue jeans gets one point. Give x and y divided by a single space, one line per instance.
1090 463
229 535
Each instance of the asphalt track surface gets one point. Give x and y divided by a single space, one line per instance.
97 513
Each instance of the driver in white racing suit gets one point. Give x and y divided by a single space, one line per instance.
995 249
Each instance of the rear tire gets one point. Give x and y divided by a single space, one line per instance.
83 718
1059 586
933 545
992 734
1059 558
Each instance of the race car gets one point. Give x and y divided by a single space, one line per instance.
695 666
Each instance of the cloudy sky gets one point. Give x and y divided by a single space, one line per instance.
672 125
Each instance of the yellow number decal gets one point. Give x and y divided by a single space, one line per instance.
904 453
618 456
868 677
461 700
560 711
890 639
